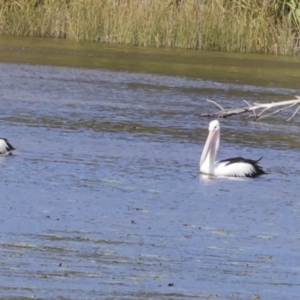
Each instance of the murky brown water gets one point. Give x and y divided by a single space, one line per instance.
103 199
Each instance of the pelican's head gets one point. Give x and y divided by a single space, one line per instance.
211 146
214 126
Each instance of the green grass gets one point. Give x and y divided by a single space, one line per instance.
259 26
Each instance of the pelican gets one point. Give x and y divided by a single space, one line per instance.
233 167
5 147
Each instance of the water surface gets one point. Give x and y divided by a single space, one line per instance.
103 198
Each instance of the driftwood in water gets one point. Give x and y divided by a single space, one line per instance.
257 110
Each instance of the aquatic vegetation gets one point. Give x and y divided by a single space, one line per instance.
237 25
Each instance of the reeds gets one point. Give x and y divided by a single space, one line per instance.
264 26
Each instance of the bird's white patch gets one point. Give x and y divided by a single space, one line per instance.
239 169
4 148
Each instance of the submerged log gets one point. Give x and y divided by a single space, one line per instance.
257 110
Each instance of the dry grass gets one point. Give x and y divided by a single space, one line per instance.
236 25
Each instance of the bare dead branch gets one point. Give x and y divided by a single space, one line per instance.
274 112
295 112
257 109
214 102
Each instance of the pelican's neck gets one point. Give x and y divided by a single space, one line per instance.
208 166
209 154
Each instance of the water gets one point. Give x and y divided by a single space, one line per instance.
103 198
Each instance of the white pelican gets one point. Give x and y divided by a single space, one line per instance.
5 147
234 167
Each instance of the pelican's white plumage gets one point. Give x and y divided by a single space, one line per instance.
234 167
5 147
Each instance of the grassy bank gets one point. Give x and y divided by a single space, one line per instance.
264 26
